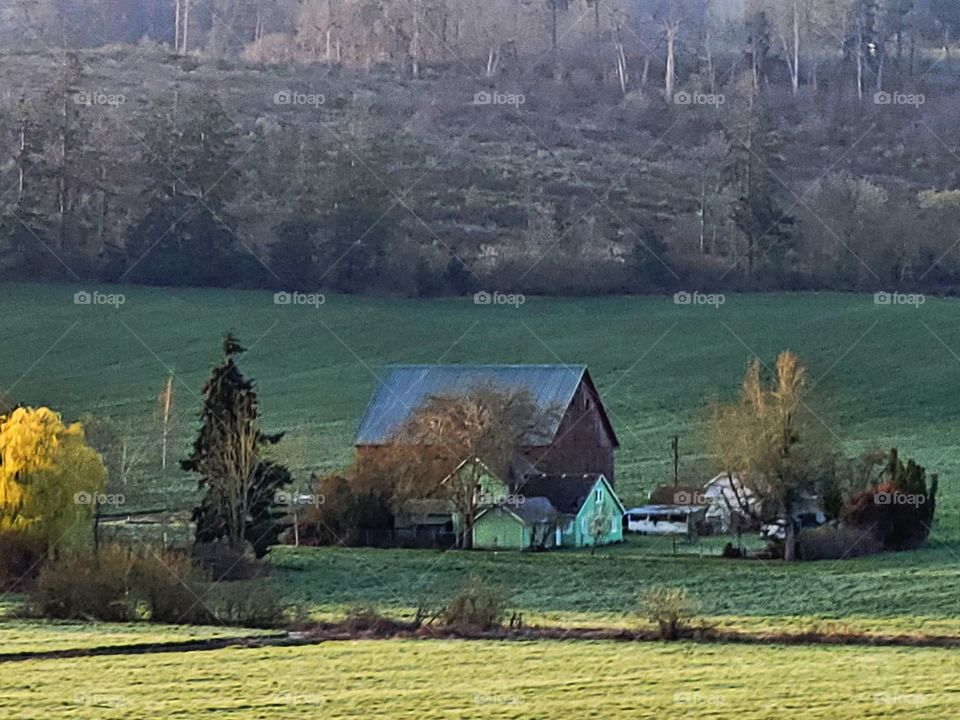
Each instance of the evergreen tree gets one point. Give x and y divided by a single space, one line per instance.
187 237
753 154
239 504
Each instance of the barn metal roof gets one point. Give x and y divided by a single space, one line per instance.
404 388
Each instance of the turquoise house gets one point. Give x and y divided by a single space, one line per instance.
549 511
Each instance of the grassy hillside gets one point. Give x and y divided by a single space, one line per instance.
486 680
883 375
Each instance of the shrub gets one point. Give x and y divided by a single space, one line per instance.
172 588
81 586
833 542
477 606
224 561
671 609
258 607
20 557
900 510
366 619
165 587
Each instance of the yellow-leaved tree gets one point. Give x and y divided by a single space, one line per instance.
771 438
49 476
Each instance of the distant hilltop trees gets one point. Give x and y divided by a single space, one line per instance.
449 147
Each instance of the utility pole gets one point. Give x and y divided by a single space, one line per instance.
675 447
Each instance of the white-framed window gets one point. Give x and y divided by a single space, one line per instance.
614 523
599 495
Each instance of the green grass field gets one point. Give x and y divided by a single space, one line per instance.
454 679
32 636
904 592
882 375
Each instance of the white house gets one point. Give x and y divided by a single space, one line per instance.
727 496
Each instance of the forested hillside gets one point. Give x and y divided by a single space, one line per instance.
427 147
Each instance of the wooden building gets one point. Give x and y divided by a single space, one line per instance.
580 437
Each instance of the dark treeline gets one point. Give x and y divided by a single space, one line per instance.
429 147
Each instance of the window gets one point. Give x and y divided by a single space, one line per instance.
599 495
614 521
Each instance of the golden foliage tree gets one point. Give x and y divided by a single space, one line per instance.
769 436
48 476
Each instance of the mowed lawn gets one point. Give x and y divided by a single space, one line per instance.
881 375
428 679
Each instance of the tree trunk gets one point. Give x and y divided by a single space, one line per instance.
789 540
795 73
493 60
711 71
860 62
415 40
621 68
703 214
883 59
186 25
176 26
670 77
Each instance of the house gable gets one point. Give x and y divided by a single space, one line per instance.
585 439
602 501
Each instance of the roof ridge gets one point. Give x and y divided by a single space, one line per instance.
558 366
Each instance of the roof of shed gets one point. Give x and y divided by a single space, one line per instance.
675 495
404 388
667 509
568 493
533 510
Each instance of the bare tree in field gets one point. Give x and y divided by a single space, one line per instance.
487 423
165 413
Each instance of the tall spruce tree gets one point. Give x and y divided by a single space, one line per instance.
753 151
239 504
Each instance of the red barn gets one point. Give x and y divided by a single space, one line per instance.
582 439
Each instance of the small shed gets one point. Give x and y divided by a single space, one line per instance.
665 519
522 524
426 522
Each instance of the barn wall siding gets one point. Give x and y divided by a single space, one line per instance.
582 444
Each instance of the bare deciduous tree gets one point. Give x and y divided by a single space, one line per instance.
486 423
